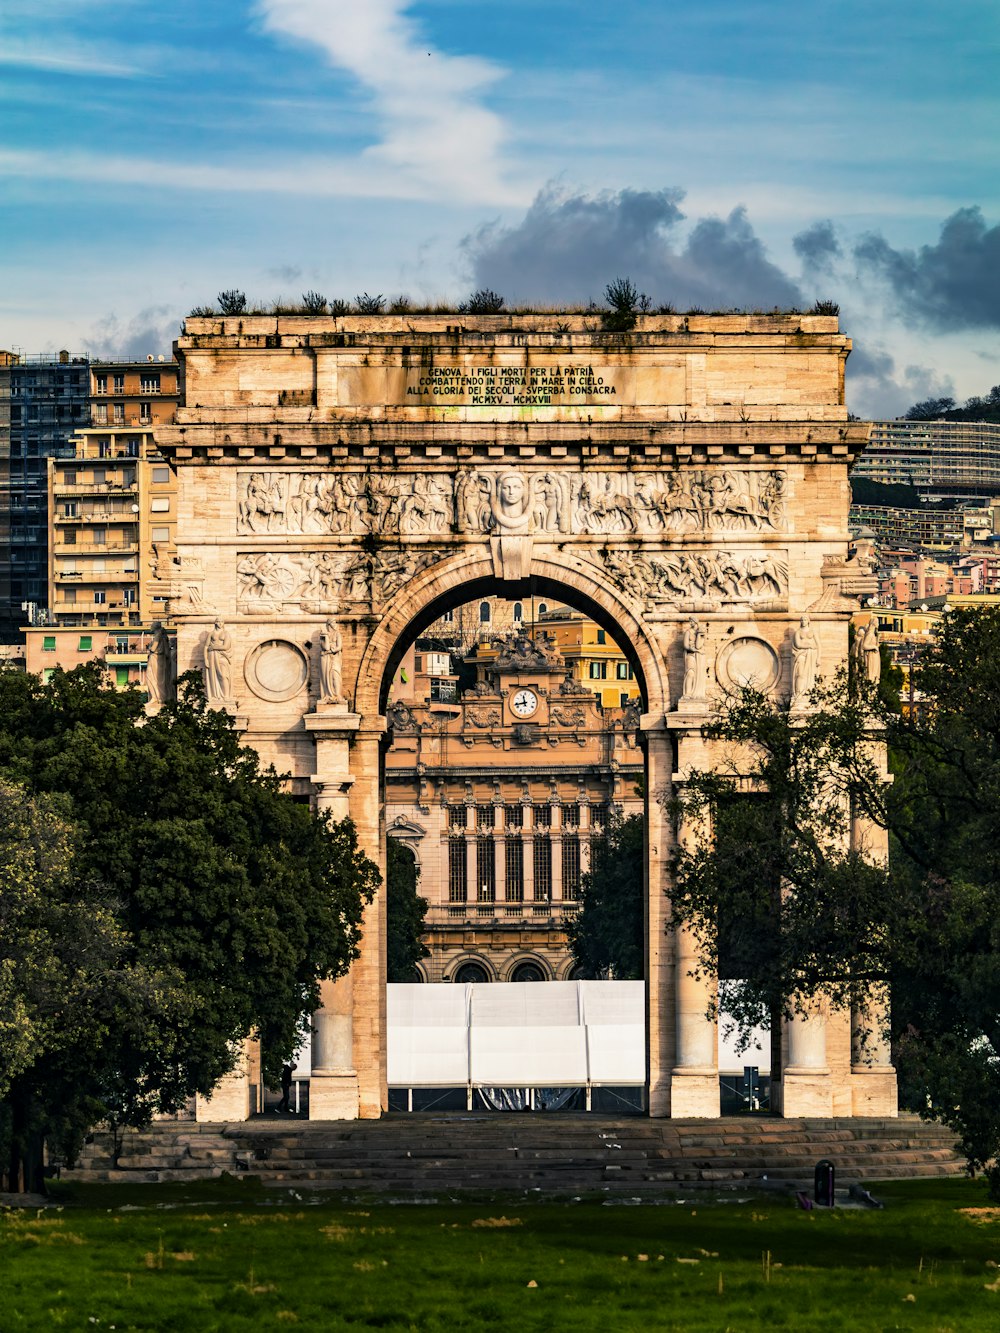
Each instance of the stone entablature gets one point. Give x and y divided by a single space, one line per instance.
698 512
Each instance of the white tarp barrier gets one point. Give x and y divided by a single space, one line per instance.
527 1034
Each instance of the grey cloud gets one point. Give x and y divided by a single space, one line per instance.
876 390
954 284
569 246
285 273
149 332
817 247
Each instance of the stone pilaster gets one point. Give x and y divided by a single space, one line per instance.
805 1081
231 1098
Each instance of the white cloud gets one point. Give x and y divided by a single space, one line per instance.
435 131
56 57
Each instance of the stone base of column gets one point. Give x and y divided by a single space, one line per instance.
802 1093
659 1098
874 1091
694 1094
230 1100
333 1096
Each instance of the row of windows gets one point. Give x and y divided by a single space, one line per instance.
599 671
148 383
123 644
513 816
485 888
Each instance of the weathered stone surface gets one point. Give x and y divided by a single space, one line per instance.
369 473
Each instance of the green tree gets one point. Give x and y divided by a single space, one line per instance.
606 936
234 898
405 913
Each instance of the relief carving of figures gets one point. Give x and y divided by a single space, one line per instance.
805 662
331 664
512 502
218 670
325 580
699 579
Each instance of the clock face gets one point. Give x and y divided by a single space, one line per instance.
524 703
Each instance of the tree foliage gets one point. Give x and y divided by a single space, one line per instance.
405 913
606 936
785 907
227 900
980 407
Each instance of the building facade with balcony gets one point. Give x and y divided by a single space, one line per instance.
940 459
112 515
498 794
134 393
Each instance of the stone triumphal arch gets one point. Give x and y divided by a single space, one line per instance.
344 481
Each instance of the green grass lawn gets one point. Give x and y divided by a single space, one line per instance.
230 1256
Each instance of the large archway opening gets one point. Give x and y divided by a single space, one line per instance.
513 748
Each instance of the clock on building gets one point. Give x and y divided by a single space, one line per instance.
524 703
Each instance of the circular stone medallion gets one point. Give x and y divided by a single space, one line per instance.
276 670
747 661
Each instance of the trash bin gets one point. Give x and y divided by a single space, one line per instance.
823 1183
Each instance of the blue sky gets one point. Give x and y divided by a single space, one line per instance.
730 154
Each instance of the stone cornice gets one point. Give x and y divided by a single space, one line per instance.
273 441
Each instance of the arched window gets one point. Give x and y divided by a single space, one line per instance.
518 611
528 971
471 972
542 608
484 613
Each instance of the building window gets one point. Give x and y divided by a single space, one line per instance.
513 816
518 611
598 670
100 597
69 596
514 857
542 608
484 613
119 383
623 671
448 617
571 869
484 816
543 869
86 644
571 816
599 816
161 534
129 596
457 880
145 414
160 506
486 870
118 414
149 383
457 816
602 636
100 414
121 676
69 509
543 816
100 383
49 643
160 475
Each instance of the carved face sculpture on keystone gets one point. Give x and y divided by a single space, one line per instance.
512 509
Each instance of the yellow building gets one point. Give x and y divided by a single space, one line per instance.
112 516
592 656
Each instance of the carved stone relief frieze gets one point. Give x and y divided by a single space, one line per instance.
324 580
701 580
512 502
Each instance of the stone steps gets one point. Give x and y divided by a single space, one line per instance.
421 1154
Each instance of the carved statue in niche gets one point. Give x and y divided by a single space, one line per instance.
161 681
218 670
694 660
331 664
805 661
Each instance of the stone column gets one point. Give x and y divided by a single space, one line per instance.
806 1086
873 1077
694 1082
333 1083
555 840
368 973
230 1099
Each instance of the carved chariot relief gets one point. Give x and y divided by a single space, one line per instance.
701 580
325 581
511 502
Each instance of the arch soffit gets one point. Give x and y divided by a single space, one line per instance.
461 578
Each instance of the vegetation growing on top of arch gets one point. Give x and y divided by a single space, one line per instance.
622 306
